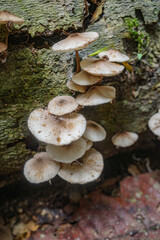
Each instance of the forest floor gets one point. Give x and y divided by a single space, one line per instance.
123 204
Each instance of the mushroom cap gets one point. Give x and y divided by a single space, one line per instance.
61 105
75 87
96 95
5 233
3 47
6 16
40 168
67 153
94 132
154 124
88 170
56 130
101 67
83 78
113 56
75 41
124 139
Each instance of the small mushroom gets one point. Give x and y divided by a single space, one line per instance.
89 143
83 78
40 168
113 56
75 87
87 170
56 130
154 124
96 95
5 233
94 132
67 153
6 16
101 67
75 41
61 105
124 139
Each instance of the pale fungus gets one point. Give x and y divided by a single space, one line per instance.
96 95
85 79
56 130
40 168
124 139
75 41
154 124
67 153
88 169
113 56
94 132
75 87
61 105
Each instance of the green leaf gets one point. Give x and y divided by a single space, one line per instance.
139 56
99 51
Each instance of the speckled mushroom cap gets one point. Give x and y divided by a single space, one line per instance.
61 105
56 130
3 47
113 56
101 67
96 95
6 17
88 170
75 41
75 87
83 78
67 153
5 233
154 124
94 132
124 139
40 168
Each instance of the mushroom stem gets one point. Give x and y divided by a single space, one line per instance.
78 61
78 108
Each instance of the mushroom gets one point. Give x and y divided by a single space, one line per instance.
83 78
61 105
101 67
89 143
124 139
96 95
67 153
75 87
5 233
3 52
40 168
113 56
87 170
94 132
56 130
154 124
8 18
75 41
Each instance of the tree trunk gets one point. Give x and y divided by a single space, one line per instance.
33 74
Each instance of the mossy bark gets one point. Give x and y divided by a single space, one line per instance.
33 74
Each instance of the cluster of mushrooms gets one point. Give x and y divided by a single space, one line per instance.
68 135
8 19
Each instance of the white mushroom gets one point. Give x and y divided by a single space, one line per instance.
113 56
40 168
154 124
88 170
83 78
61 105
96 95
94 132
56 130
76 41
124 139
67 153
75 87
101 67
6 16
